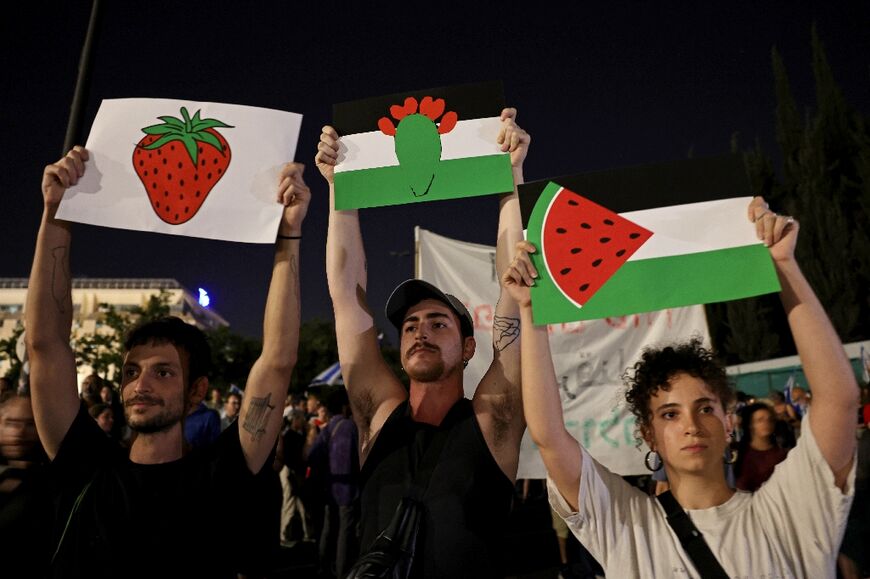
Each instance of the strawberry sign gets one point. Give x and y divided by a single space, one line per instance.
177 167
179 162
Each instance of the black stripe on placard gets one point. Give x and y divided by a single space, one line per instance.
650 186
468 101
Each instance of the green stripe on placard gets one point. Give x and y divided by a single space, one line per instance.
456 178
666 282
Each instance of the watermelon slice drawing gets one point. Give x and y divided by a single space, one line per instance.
583 244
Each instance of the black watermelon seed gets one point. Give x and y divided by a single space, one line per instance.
584 287
166 208
179 165
186 209
576 250
166 193
169 176
154 185
164 161
608 222
208 176
604 239
634 235
200 150
146 172
181 195
171 147
196 176
157 204
215 160
596 263
572 202
203 161
149 155
620 253
159 152
220 171
181 183
141 162
561 230
176 216
197 193
565 271
585 226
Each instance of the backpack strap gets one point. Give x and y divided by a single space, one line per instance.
691 538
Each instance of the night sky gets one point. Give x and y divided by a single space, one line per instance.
606 85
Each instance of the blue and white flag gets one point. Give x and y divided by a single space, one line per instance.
329 377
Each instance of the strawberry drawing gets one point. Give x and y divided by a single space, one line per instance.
179 162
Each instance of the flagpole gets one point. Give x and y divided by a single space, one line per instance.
80 96
416 252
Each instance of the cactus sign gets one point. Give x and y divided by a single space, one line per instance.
418 146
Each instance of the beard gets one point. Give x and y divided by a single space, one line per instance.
436 369
163 420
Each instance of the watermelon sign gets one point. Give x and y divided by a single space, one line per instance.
581 246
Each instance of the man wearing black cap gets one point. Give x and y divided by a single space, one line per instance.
468 496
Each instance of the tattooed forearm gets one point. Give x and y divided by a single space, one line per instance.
505 331
60 280
257 416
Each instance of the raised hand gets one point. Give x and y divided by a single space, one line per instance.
59 176
295 196
520 274
512 138
778 232
327 153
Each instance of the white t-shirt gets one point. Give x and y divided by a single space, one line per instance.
791 527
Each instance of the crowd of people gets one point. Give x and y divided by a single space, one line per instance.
122 480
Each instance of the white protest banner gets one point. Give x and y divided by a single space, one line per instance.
589 356
184 168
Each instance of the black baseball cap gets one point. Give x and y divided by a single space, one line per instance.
414 291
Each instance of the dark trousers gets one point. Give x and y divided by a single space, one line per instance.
339 540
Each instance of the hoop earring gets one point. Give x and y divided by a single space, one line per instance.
658 461
730 456
465 363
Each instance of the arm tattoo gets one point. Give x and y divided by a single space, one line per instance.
505 331
60 282
258 416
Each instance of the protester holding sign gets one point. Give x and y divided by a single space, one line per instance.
458 457
681 399
151 514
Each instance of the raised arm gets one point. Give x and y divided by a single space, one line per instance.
498 400
541 402
261 413
825 364
373 389
48 312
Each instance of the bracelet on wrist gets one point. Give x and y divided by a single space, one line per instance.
289 236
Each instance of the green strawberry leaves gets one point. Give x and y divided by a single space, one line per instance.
190 131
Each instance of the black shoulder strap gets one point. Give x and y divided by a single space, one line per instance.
691 539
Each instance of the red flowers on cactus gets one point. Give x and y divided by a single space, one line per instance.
429 107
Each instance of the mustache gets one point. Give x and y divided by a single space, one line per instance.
422 346
143 399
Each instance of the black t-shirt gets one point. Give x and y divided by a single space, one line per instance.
467 502
204 515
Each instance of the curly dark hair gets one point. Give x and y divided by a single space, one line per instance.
657 366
